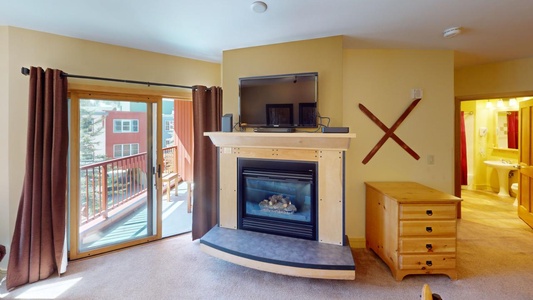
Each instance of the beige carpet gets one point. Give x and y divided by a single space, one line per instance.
495 261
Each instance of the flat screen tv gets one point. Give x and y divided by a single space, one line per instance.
284 101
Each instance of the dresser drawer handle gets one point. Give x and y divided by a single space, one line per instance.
429 229
429 247
429 263
429 212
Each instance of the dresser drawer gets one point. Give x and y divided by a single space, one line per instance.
428 228
427 245
427 211
427 262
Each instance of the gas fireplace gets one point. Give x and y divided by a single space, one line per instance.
275 191
277 197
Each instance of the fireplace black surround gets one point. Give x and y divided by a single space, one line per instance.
277 197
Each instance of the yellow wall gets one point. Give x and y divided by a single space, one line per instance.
318 55
5 232
30 48
382 80
496 78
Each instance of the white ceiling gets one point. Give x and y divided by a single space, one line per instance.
493 30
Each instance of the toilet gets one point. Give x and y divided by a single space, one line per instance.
514 188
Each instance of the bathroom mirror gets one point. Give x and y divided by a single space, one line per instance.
506 129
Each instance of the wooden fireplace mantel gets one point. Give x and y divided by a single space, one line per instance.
296 140
327 150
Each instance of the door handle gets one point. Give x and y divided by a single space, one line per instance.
429 229
159 171
429 212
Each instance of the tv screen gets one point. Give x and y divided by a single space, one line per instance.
288 100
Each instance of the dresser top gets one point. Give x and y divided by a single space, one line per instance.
411 192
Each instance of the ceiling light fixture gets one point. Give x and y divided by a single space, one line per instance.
259 7
451 32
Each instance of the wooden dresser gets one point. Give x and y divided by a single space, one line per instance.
412 228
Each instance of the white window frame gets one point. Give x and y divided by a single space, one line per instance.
133 149
169 125
125 125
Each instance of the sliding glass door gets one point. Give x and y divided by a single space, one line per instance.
114 180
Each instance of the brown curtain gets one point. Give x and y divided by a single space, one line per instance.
512 129
207 115
38 239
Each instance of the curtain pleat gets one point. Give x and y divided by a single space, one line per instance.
39 235
207 115
512 130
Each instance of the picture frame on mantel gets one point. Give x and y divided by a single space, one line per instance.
279 114
307 114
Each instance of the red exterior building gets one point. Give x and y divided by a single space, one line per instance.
125 133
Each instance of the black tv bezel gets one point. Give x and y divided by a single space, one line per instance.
289 75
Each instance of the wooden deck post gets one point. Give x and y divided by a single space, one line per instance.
103 184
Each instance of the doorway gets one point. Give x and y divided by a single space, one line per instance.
114 188
120 147
486 139
177 166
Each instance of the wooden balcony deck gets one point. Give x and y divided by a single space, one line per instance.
129 221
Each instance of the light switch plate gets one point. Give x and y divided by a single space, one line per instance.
416 93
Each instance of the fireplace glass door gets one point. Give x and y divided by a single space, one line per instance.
278 197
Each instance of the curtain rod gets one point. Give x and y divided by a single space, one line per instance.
26 71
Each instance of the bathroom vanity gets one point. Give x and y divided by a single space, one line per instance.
412 228
503 168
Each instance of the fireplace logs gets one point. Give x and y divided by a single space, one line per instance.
278 204
277 197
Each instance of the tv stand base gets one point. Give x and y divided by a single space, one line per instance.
273 129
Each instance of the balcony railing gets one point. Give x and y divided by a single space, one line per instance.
107 185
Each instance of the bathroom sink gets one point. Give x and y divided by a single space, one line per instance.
502 168
501 165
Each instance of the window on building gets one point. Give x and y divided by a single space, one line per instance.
120 125
121 150
169 125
